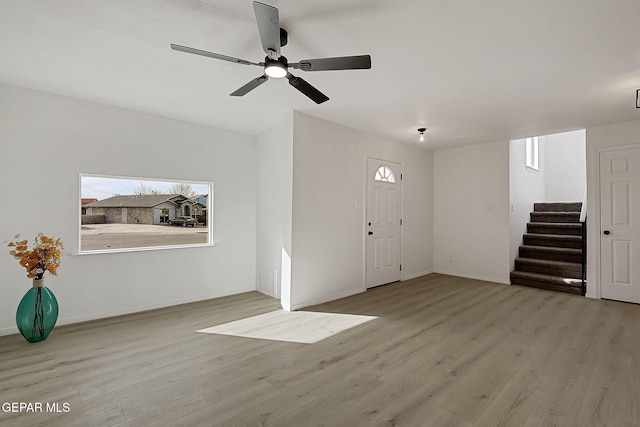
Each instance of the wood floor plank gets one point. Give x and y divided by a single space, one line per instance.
442 351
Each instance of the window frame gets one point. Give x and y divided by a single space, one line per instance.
532 153
169 245
386 175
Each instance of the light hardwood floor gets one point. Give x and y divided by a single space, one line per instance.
444 351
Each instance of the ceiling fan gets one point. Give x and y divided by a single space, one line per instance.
275 65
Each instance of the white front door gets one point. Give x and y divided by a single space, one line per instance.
620 224
383 222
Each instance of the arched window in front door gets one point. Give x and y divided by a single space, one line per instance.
385 174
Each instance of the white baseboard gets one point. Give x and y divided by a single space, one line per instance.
286 307
474 276
269 294
9 331
321 300
131 310
415 275
289 307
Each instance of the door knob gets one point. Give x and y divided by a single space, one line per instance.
606 232
371 233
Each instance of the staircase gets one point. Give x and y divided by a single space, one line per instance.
551 254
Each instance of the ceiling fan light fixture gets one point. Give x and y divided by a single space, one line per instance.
421 131
276 69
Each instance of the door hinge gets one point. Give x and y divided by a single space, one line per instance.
400 221
400 267
400 177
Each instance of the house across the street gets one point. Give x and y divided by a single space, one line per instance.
143 209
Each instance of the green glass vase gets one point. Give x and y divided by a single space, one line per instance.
37 312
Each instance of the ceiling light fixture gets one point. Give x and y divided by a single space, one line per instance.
421 132
637 98
276 69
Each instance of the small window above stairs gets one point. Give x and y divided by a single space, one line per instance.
551 255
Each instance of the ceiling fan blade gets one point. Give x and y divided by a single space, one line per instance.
304 87
250 86
268 19
360 62
211 54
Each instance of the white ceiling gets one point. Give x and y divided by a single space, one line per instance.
469 70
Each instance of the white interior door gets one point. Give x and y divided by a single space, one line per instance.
383 222
620 224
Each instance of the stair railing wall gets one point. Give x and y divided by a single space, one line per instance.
584 257
583 220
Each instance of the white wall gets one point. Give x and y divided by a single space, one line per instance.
274 204
526 187
47 140
328 233
471 211
601 138
565 165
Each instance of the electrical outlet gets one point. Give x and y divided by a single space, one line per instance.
450 258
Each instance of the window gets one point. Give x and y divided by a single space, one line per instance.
531 150
385 174
124 214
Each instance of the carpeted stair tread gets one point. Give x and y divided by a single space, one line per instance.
551 253
553 268
568 281
548 262
553 240
559 224
558 207
548 282
555 217
565 228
